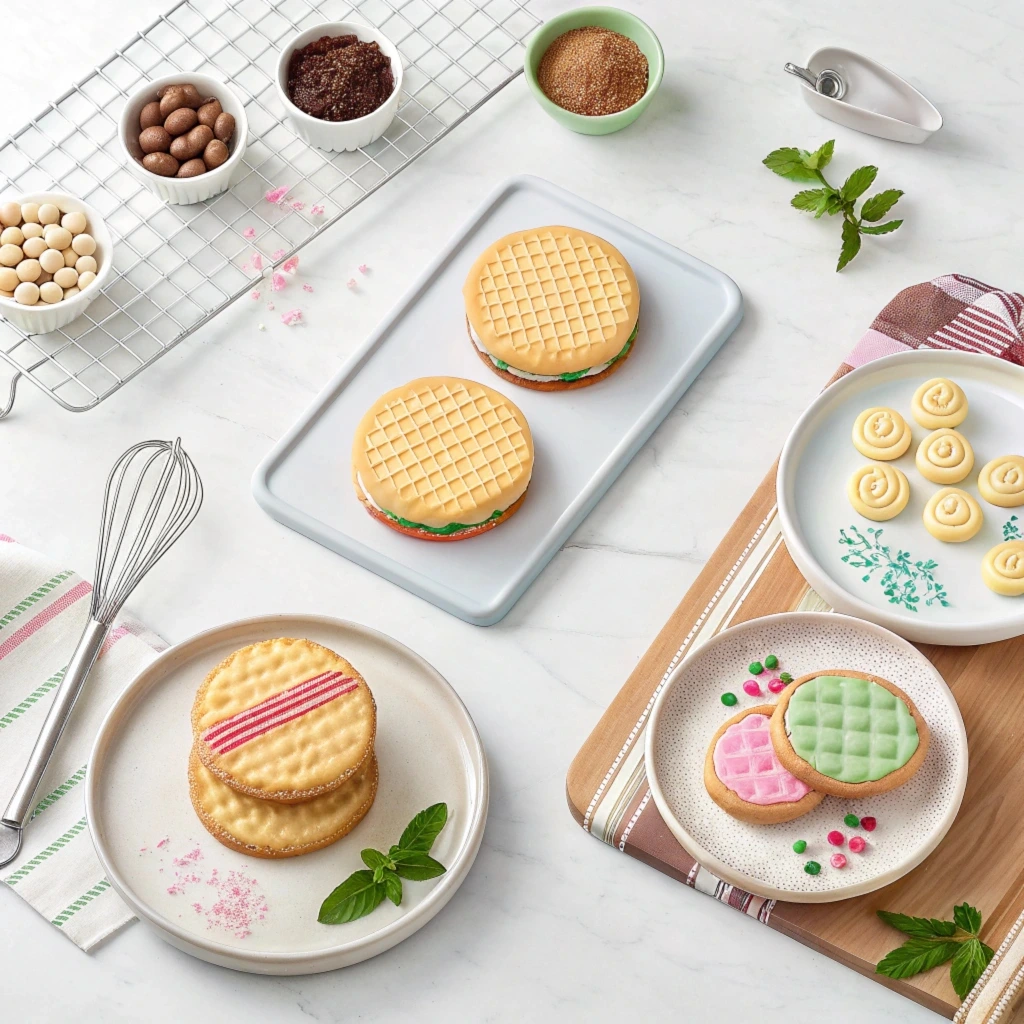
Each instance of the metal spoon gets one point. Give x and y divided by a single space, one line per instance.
828 82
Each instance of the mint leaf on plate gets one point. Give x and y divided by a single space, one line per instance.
421 832
417 866
393 887
356 897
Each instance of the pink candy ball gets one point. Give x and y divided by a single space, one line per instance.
868 824
857 844
837 860
752 687
776 685
836 838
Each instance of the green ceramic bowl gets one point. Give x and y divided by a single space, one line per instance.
605 17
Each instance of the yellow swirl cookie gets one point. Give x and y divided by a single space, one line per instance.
1002 569
1001 481
952 515
881 433
939 403
878 492
945 456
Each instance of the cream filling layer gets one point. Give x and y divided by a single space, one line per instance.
525 374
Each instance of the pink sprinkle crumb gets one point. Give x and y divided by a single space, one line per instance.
277 254
197 907
290 265
293 316
143 849
245 266
255 296
857 844
363 268
307 287
298 206
163 842
278 281
351 282
277 195
257 261
316 210
249 233
270 306
837 860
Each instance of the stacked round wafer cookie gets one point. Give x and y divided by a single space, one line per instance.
282 759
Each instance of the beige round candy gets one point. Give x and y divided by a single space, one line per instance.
26 293
11 255
48 214
9 279
945 456
10 214
12 236
70 257
66 277
58 237
28 270
32 230
84 244
878 492
952 516
75 222
51 292
30 213
1002 568
52 261
70 293
84 263
33 247
86 279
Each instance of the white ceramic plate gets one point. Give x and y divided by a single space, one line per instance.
819 458
146 832
759 858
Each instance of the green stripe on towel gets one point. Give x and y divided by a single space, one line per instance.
58 844
37 595
65 787
87 897
40 691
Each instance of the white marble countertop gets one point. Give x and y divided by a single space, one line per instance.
551 925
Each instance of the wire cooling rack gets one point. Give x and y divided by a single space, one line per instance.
177 267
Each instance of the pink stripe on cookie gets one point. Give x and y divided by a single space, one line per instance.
745 762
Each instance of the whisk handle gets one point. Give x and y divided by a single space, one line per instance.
88 649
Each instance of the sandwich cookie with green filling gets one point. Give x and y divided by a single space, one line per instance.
552 308
442 459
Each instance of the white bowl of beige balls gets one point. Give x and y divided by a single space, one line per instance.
184 135
55 254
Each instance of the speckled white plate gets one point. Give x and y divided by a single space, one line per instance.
759 858
146 832
819 458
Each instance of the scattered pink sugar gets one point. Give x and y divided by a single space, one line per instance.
189 858
293 316
245 265
307 287
163 842
270 306
249 233
290 265
316 210
351 282
277 254
298 206
255 296
257 261
363 268
277 195
278 281
143 849
197 907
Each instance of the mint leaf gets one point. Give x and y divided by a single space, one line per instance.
851 244
811 199
393 887
788 162
969 963
421 832
356 897
859 182
915 956
417 866
821 157
967 918
880 204
919 927
880 229
374 859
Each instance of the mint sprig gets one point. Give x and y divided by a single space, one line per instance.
934 942
805 166
364 891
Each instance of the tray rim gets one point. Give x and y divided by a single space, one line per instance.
749 883
951 634
328 958
439 594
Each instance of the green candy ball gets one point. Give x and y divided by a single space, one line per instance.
756 668
800 845
771 661
812 867
852 820
729 699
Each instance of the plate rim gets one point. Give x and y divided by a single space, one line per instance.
949 634
741 879
292 961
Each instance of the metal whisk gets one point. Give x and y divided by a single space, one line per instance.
153 493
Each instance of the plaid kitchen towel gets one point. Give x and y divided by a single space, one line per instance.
43 609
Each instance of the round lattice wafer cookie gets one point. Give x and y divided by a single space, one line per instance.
552 302
284 720
442 458
267 828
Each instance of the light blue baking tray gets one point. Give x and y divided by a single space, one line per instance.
583 438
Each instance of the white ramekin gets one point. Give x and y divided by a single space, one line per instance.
340 135
183 191
42 318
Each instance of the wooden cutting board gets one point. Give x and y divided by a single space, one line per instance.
981 859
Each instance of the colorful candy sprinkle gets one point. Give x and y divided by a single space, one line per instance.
800 845
837 860
752 687
868 824
755 668
771 662
786 677
857 844
776 685
852 821
835 838
729 699
812 867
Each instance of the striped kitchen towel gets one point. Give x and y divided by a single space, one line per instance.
43 609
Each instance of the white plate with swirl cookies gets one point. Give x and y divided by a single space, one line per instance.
901 496
241 777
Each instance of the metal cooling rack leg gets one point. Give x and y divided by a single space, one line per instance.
10 396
